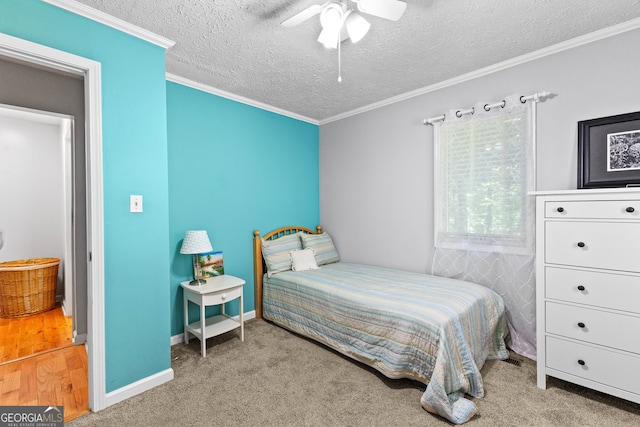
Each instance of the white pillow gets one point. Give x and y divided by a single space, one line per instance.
303 259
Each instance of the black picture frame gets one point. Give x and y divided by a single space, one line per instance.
609 152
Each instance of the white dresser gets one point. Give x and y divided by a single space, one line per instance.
588 289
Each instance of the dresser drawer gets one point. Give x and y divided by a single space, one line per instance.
614 330
612 209
609 245
616 291
600 365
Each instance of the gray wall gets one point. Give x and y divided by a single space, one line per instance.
376 168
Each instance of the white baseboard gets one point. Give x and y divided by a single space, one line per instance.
138 387
65 309
154 380
179 339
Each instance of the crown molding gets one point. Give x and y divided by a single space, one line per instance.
113 22
146 35
224 94
633 24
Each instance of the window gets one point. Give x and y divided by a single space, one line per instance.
483 171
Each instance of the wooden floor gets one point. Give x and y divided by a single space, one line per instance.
39 365
25 336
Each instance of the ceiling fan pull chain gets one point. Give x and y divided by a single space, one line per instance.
339 64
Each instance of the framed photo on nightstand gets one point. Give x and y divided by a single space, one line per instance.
212 264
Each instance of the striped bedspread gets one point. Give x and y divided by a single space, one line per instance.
436 330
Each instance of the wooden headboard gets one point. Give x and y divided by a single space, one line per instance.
258 261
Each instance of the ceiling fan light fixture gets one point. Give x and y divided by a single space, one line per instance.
357 26
331 19
339 22
331 16
329 38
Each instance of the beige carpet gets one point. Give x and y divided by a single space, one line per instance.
276 378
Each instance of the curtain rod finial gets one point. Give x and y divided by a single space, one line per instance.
541 96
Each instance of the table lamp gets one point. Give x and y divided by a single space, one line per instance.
196 242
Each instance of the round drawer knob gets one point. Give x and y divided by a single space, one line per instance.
581 325
630 209
560 209
581 362
224 297
581 244
581 288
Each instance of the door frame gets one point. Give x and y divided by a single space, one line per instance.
91 71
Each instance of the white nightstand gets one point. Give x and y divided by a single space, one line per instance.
217 291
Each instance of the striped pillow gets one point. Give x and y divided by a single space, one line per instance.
323 245
276 252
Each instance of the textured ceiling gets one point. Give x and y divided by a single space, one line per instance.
238 46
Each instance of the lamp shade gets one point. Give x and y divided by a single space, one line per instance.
196 242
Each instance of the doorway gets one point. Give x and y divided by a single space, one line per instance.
36 184
46 103
36 223
58 62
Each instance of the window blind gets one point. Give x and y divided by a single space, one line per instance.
483 174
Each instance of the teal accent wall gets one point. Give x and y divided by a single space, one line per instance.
234 168
134 130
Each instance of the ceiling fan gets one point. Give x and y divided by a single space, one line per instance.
340 22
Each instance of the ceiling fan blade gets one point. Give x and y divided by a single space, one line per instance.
303 16
387 9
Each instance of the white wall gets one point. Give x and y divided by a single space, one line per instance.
376 168
31 189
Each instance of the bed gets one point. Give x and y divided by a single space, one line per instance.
438 331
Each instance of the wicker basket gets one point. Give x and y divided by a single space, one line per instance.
28 286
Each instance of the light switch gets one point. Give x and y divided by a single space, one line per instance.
135 203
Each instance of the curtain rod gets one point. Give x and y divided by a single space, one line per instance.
536 97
